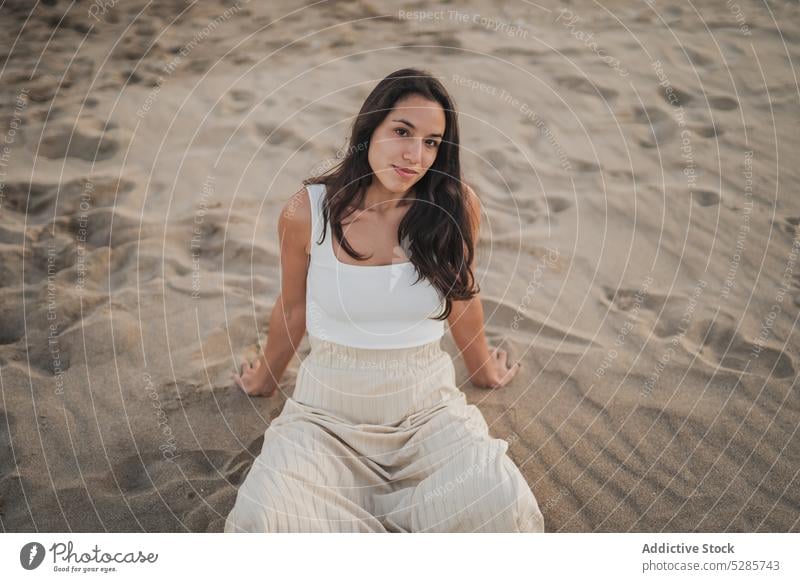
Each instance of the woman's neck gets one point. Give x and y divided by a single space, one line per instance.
380 200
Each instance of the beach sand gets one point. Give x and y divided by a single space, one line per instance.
640 251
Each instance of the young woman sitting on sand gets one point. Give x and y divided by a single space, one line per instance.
375 255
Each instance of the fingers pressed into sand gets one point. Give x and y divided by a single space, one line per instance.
510 373
502 356
244 365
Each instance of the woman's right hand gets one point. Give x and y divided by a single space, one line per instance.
255 380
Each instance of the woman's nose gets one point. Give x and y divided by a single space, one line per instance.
414 151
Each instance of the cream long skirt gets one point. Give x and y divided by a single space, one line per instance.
382 440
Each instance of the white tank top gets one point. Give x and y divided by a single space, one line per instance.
365 306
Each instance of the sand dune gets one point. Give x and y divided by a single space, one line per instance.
640 251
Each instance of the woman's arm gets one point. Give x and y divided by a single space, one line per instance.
487 368
287 322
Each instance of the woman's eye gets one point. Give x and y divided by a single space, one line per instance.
431 142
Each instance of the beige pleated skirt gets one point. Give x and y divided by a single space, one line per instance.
382 440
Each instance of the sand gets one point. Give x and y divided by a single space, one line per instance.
640 252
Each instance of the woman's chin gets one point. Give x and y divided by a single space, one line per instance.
395 183
397 186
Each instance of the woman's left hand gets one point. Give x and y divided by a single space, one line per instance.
498 373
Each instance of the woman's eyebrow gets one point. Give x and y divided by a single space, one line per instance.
411 125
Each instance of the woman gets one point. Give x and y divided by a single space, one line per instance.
375 255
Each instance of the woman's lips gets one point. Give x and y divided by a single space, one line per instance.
404 173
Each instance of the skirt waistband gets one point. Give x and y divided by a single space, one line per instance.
340 356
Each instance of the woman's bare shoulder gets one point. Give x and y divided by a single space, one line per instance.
472 197
295 219
473 205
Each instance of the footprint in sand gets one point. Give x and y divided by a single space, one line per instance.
498 168
684 98
84 139
705 197
557 204
655 126
34 198
584 166
661 313
528 208
717 343
531 209
28 198
708 131
146 74
240 58
280 136
42 89
90 339
109 227
506 320
586 87
237 101
696 58
722 346
788 224
501 159
533 55
701 101
46 357
140 44
677 97
648 115
11 314
201 66
723 103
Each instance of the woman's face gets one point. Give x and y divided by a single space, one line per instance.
408 138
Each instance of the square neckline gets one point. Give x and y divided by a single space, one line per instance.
338 262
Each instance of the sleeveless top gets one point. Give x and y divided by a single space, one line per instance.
363 306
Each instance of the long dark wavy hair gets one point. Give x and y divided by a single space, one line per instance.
436 228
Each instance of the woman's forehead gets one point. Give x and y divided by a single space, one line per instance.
424 115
